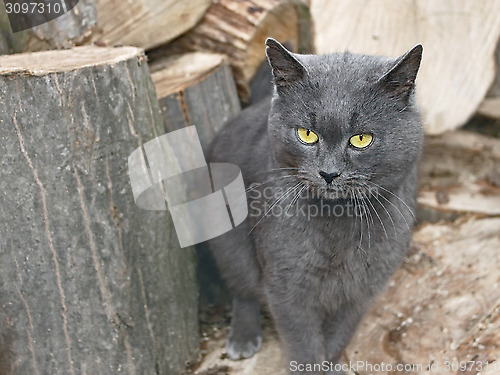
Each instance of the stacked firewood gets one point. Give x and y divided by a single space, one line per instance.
89 283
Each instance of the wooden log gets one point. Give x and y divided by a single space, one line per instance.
142 23
196 89
490 107
89 282
66 31
494 91
239 29
459 173
146 23
471 197
459 39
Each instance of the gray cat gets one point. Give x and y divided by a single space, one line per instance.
330 162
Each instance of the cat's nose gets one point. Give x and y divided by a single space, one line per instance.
329 177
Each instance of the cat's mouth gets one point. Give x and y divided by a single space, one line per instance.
336 191
343 187
331 191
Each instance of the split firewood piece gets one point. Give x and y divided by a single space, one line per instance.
239 29
459 38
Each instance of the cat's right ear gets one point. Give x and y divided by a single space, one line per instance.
286 68
399 81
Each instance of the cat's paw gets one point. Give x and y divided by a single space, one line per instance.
238 348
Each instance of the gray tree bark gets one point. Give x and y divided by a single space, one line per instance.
89 282
198 89
66 31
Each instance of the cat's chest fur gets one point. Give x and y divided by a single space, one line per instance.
322 250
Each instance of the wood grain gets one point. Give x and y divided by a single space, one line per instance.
238 29
459 38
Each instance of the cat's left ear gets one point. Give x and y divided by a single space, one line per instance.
286 68
399 81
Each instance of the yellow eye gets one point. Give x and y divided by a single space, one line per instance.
307 136
361 140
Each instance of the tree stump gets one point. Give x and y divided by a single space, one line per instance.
196 89
89 282
239 29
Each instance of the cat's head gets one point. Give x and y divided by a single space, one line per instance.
345 120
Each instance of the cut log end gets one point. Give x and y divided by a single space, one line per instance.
46 62
196 89
239 30
179 72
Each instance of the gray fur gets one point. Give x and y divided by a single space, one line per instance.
318 274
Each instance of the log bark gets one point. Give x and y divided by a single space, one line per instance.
66 31
239 29
89 282
459 39
196 89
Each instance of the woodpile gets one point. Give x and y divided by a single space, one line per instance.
72 29
91 283
239 29
140 23
146 23
459 38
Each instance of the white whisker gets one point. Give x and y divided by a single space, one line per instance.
283 196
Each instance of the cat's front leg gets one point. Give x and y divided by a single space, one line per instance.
339 329
299 328
245 338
